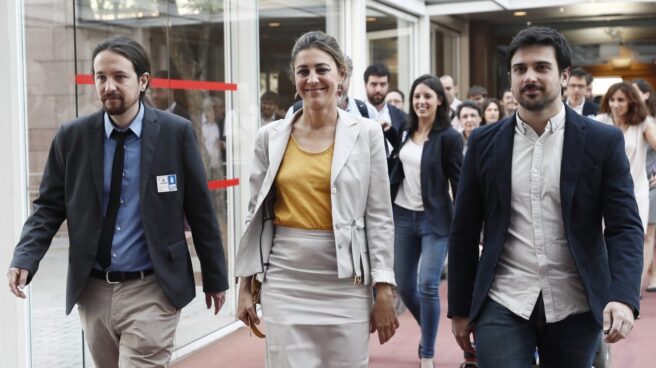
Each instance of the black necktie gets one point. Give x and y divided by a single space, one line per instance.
104 256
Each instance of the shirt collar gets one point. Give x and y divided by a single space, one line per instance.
384 110
569 103
553 124
135 125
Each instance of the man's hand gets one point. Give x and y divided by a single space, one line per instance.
618 321
383 315
219 299
461 331
386 125
17 278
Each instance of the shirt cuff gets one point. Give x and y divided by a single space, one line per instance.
384 276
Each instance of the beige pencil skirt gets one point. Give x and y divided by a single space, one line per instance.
312 318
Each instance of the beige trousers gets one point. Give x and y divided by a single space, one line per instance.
130 324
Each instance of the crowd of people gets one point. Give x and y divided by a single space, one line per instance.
544 213
544 261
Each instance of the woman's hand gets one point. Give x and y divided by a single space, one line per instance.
383 315
245 306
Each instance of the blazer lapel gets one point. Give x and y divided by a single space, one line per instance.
149 138
346 134
277 144
573 145
97 145
503 165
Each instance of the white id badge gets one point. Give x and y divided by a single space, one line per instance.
167 183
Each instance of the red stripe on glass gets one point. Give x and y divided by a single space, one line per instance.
222 184
193 85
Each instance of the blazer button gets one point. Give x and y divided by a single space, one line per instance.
334 190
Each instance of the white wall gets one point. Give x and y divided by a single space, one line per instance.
13 187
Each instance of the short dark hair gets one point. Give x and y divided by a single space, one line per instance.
442 115
270 96
378 70
397 91
588 79
579 73
129 49
477 90
470 104
543 36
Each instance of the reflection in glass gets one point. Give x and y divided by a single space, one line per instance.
390 43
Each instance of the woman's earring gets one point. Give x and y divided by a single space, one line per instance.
339 90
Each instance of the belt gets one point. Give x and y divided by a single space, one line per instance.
114 277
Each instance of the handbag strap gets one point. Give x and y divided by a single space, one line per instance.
256 331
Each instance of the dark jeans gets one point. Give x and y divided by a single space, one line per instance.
417 246
505 340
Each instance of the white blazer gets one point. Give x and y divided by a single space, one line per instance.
361 202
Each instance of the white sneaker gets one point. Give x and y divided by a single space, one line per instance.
426 363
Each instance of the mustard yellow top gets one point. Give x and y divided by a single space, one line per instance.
303 189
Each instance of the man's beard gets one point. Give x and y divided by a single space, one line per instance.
376 99
110 105
536 104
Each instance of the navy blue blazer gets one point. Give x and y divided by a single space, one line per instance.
441 158
399 117
595 183
590 108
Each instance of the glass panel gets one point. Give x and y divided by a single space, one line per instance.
50 69
446 52
184 39
192 48
390 39
281 23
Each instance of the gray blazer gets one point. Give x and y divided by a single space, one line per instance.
361 204
72 189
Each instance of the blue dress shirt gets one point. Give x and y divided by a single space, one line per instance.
129 249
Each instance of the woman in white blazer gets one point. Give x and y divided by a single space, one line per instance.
319 227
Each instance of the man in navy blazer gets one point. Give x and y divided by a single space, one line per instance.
562 241
125 178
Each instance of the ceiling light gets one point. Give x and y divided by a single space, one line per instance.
519 13
274 24
371 19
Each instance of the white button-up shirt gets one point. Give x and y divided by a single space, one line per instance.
536 256
578 108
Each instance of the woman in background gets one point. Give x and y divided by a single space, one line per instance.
469 115
492 111
648 282
429 159
623 107
319 227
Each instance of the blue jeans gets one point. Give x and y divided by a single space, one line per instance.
417 246
506 340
